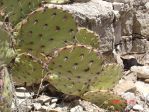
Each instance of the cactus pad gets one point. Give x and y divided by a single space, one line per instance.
109 77
58 1
16 10
6 52
87 37
74 68
106 99
5 90
26 69
45 30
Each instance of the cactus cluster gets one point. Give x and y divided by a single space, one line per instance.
50 43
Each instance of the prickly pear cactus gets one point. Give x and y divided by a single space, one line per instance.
16 10
105 99
6 52
27 70
5 90
74 68
109 77
58 1
87 37
45 30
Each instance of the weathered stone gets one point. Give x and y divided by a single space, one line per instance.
142 71
147 5
43 99
77 109
118 6
37 106
138 107
139 45
141 24
124 86
143 89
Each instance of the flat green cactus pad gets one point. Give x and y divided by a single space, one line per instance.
5 91
16 10
106 99
109 77
45 30
74 69
26 69
87 37
6 52
58 1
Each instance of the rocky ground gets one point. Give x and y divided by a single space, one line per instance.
122 22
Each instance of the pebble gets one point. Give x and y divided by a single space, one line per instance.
37 106
143 89
77 109
147 5
54 100
23 94
138 107
53 105
43 99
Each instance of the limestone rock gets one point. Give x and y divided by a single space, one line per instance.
141 24
138 107
142 71
143 89
77 109
147 5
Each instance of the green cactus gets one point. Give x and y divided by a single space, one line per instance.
45 30
16 10
109 77
58 1
87 37
106 99
74 68
5 91
26 69
6 52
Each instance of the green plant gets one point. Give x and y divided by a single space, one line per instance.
16 10
5 90
109 77
87 37
26 69
46 30
74 68
49 42
6 50
105 99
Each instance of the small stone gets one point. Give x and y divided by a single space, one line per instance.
54 100
23 94
146 80
77 109
147 5
143 89
37 106
47 103
53 105
124 86
118 6
130 98
21 89
138 107
142 71
43 99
